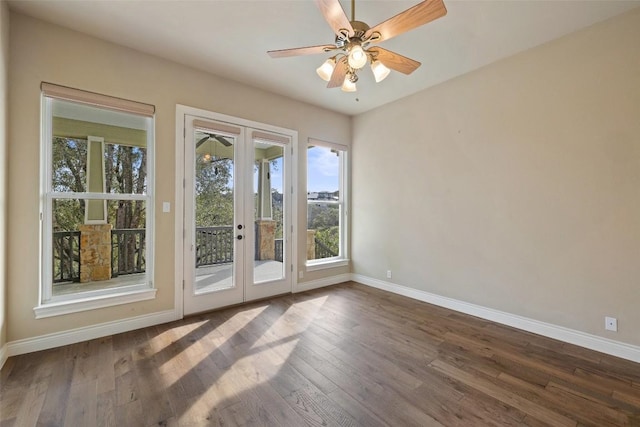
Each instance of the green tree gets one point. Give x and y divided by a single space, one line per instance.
214 192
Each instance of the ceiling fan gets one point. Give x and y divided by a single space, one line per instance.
353 40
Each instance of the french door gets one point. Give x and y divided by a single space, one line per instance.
237 210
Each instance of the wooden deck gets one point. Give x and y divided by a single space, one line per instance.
347 355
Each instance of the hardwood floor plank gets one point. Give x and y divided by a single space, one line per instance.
346 355
589 411
54 407
511 399
82 407
105 413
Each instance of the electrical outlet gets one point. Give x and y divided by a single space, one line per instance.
388 274
611 324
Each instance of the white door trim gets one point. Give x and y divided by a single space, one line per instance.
181 112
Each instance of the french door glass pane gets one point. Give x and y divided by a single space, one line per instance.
268 184
214 210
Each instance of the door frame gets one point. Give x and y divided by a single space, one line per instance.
179 233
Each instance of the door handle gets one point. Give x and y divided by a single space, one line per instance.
239 237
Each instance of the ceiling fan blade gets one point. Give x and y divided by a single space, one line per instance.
418 15
200 142
309 50
339 73
222 140
334 15
395 61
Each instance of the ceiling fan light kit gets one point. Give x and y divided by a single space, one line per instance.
326 69
357 57
380 72
349 83
354 37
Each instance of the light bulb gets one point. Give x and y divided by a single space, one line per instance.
380 71
326 69
349 85
206 157
357 57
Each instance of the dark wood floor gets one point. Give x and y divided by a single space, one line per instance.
347 355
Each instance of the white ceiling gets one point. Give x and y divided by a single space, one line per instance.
230 38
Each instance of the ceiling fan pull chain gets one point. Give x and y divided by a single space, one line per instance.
353 10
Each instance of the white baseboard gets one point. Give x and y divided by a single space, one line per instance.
582 339
57 339
3 355
319 283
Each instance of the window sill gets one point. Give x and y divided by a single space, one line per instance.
322 265
83 304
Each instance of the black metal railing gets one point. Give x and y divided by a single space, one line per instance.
323 251
279 250
127 251
66 256
214 245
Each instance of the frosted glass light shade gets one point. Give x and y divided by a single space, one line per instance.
357 57
380 71
326 69
348 85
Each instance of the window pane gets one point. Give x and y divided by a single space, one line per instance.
98 150
91 257
268 184
214 209
125 169
323 203
324 220
323 173
69 164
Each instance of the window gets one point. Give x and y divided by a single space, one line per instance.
97 204
326 204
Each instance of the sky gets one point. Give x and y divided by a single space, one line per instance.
322 171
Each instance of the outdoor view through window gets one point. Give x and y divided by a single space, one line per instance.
97 200
324 202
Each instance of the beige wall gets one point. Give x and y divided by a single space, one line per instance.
515 187
45 52
4 89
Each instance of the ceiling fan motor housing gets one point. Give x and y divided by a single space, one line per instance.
359 29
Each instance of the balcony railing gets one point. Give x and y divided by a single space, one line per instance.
323 251
127 251
66 256
279 250
214 245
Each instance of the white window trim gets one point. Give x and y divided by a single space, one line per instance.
323 264
343 259
49 306
125 296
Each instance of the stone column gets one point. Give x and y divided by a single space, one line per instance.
311 244
266 235
95 252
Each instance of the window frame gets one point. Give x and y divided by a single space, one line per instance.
343 205
48 304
